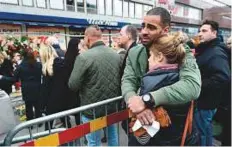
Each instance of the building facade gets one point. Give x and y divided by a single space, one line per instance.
73 16
188 15
69 16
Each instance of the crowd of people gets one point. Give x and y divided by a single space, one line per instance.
164 72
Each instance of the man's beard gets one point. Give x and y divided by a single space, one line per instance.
148 45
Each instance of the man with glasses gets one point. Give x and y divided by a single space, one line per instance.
155 24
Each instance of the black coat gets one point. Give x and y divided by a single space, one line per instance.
213 61
6 69
30 77
125 57
56 94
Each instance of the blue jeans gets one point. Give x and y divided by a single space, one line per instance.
203 119
94 139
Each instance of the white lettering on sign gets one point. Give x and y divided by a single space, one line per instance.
102 22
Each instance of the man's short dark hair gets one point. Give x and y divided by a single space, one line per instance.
214 25
163 13
130 29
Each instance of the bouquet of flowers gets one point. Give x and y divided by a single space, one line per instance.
10 45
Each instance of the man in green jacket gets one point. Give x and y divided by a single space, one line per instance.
156 24
96 76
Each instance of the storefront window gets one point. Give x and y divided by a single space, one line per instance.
41 3
179 10
70 5
109 7
101 7
80 6
91 6
27 2
9 1
187 12
132 10
146 8
125 9
139 11
57 4
118 7
226 33
195 13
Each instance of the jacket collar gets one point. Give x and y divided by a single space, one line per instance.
163 67
132 45
206 45
98 43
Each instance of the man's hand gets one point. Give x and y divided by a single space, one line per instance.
136 104
146 117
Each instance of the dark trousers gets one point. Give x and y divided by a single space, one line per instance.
226 132
29 109
223 116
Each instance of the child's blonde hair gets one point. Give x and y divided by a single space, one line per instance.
171 46
47 56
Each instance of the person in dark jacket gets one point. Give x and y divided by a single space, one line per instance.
73 101
127 40
55 88
167 56
6 69
223 114
29 72
212 60
52 68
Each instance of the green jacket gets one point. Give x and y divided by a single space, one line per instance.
96 76
186 89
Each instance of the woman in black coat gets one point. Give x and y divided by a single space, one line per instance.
6 69
57 96
70 57
29 73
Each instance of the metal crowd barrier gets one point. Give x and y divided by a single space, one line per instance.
71 136
35 136
48 34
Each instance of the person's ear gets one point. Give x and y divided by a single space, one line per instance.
215 32
165 30
160 57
